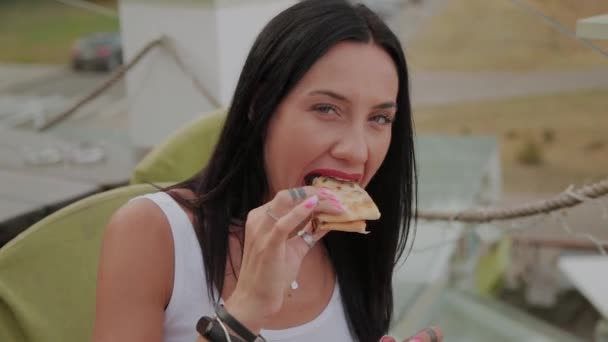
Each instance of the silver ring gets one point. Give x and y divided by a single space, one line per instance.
307 237
272 216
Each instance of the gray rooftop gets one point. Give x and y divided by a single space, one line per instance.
450 168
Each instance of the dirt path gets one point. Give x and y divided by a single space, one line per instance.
13 75
436 88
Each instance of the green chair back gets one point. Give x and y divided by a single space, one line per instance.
48 272
183 154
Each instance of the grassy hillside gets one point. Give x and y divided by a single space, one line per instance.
547 142
498 35
43 31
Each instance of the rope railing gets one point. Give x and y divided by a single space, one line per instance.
567 199
121 71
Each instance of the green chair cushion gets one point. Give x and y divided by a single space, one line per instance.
183 154
48 273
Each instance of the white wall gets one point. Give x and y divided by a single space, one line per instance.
161 97
212 38
237 28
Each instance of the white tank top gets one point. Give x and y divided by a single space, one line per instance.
189 300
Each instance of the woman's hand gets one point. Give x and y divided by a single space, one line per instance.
430 334
273 251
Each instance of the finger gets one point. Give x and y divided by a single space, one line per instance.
326 206
387 338
297 194
309 228
262 218
430 334
283 203
330 206
285 200
301 226
304 241
301 213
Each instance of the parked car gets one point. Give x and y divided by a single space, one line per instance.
99 51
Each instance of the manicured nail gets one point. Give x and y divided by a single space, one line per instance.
327 193
386 338
415 339
311 202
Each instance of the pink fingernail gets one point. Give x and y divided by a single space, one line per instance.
311 202
327 193
386 338
415 339
338 204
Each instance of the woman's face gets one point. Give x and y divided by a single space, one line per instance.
336 120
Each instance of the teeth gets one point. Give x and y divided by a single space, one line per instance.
310 177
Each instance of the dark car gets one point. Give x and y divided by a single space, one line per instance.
99 51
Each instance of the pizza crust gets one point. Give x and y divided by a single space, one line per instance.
353 226
357 202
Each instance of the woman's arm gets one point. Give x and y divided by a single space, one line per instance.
135 276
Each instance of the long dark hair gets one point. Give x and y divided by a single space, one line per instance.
234 181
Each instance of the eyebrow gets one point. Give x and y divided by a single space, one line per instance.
384 105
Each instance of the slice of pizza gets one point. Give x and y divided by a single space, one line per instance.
359 206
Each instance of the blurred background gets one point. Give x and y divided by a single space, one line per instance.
510 105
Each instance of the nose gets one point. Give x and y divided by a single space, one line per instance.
351 147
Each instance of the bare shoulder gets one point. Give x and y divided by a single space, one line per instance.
135 274
143 215
139 238
138 222
135 215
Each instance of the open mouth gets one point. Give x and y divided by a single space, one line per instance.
310 177
335 174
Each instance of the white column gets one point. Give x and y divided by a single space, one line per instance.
212 37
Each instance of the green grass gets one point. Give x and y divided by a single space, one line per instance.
482 35
43 32
574 152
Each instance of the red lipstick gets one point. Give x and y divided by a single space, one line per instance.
354 177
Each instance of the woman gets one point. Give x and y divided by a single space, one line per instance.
324 90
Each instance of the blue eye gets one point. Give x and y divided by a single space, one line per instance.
382 119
